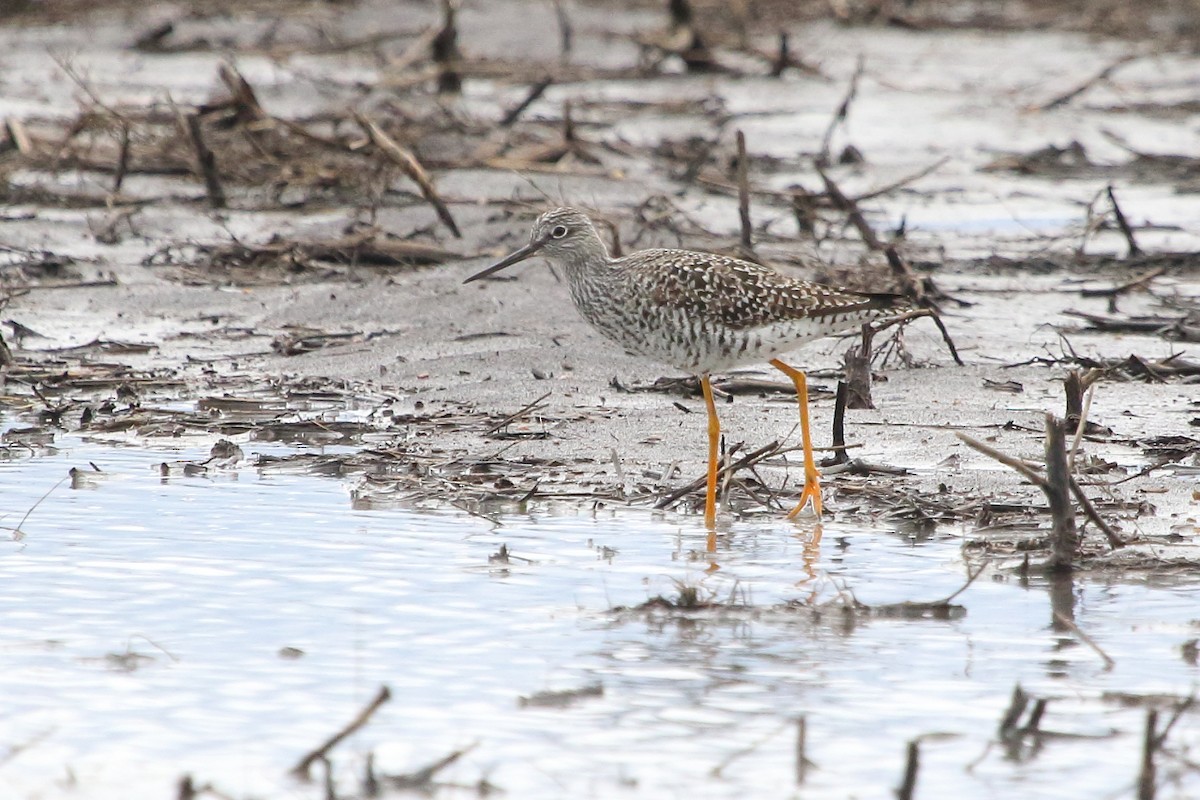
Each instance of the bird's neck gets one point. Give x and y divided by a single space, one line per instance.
590 275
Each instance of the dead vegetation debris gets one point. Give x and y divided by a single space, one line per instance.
282 260
692 602
232 151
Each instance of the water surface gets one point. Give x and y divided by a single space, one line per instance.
147 621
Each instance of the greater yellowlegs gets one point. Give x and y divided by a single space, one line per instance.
699 312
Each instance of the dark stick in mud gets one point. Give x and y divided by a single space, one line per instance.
1123 224
6 356
522 411
1064 537
566 34
1114 539
839 116
857 364
909 283
839 424
535 92
205 161
242 96
445 51
1102 75
19 137
743 185
900 183
1055 484
783 58
1074 385
917 290
1113 292
122 159
687 42
301 769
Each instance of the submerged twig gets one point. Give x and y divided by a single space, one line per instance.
20 534
301 769
1070 625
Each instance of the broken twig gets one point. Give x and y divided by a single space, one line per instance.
408 164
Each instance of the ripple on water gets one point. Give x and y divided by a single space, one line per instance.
145 619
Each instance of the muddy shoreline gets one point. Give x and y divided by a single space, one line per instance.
330 279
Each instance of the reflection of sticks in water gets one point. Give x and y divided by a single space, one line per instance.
422 779
1152 741
1016 707
802 762
1146 788
1062 619
301 768
912 763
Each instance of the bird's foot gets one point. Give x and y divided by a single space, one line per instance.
811 494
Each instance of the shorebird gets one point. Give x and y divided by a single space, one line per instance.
699 312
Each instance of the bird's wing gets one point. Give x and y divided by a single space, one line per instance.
740 294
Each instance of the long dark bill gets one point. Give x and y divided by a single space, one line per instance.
515 257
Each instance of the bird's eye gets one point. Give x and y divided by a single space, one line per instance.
559 231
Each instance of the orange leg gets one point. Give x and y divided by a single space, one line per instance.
812 478
714 440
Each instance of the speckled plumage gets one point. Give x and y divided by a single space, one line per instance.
700 312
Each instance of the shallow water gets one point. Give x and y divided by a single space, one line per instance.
146 618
